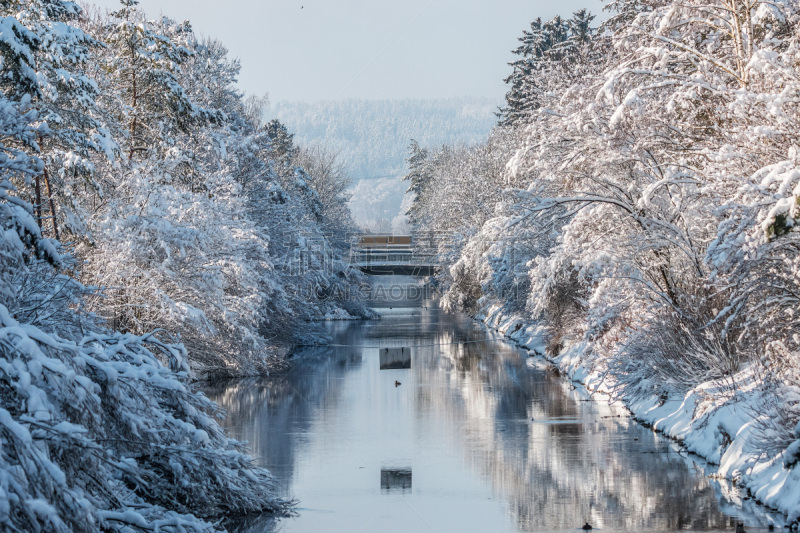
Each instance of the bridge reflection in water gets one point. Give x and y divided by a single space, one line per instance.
392 255
496 440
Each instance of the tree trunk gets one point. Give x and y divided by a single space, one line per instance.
38 201
52 203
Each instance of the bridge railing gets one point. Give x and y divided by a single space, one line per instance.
374 256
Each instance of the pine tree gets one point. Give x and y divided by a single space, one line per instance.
283 148
534 44
144 63
580 29
64 97
548 50
419 175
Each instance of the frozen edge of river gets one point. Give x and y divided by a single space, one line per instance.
718 428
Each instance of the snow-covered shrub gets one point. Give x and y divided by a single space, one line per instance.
563 309
464 291
666 356
777 412
179 260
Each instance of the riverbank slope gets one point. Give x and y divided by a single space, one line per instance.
717 420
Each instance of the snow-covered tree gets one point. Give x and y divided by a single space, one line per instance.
329 180
100 430
64 97
652 206
419 177
144 66
556 49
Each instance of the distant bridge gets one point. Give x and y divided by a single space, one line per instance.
391 255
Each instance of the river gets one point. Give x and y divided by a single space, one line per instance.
475 436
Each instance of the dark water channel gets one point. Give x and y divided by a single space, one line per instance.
476 437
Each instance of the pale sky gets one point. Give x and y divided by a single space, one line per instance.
333 49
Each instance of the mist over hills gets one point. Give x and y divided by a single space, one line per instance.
372 136
372 139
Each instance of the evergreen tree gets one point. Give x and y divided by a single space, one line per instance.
549 50
64 97
534 43
144 64
419 176
580 28
283 148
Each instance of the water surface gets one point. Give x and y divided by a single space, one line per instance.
475 436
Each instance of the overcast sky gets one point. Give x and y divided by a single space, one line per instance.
332 49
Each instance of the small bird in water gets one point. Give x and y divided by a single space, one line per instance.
586 527
397 383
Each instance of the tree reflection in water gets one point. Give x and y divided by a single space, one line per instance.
553 458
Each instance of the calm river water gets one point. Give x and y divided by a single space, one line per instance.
477 436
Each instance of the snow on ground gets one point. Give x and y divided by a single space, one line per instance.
715 420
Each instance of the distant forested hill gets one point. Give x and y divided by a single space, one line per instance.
372 136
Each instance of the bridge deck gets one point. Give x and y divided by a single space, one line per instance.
398 270
400 260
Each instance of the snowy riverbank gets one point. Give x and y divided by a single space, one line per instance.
278 358
641 200
718 421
